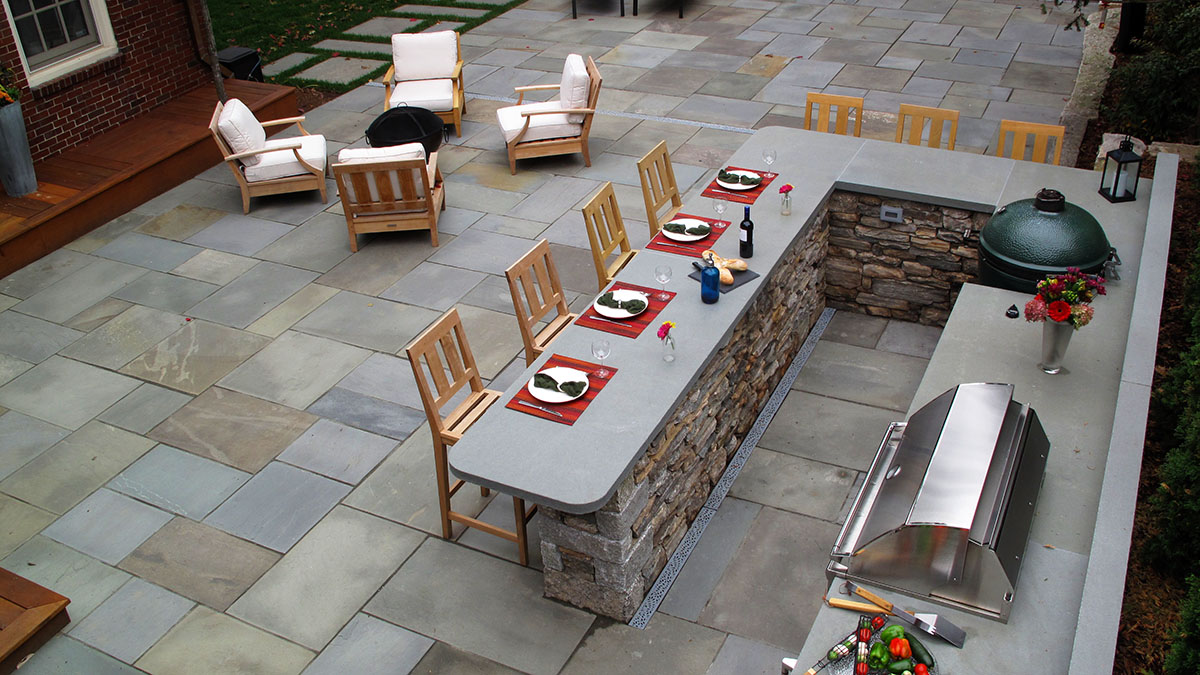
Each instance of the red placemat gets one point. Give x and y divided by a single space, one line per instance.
567 412
744 196
661 242
634 325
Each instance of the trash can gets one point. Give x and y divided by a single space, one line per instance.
243 62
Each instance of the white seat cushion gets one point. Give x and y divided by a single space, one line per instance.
360 156
573 89
241 131
424 56
540 126
283 162
388 154
435 95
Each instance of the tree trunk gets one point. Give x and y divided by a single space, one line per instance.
1133 24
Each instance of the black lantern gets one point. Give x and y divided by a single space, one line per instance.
1118 182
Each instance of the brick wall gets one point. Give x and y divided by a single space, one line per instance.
157 62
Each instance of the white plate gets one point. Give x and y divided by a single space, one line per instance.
622 295
687 222
560 375
738 186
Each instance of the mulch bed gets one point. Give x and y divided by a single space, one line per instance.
1151 605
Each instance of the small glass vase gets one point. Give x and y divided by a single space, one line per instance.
1056 335
668 349
785 204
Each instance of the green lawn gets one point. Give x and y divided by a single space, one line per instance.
280 27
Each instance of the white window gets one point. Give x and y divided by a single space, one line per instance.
57 37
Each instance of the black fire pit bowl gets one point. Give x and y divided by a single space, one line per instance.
407 124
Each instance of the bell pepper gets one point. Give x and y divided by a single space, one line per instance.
891 633
878 656
899 648
921 669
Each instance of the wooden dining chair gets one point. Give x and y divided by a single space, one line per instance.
916 116
606 234
1042 135
441 355
658 186
825 105
533 282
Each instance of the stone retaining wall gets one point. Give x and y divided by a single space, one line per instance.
910 271
605 561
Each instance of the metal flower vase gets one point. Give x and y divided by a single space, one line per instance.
1056 335
16 163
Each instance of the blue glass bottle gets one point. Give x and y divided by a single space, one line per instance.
710 282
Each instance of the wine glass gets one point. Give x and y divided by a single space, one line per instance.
719 205
601 348
662 274
769 156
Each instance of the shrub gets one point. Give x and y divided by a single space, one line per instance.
1153 104
1184 657
1177 500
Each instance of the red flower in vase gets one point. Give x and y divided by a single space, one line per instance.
1059 310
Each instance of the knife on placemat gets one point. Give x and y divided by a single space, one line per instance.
538 407
933 624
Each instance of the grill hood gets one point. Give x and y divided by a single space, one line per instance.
945 510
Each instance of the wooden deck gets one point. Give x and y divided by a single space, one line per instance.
90 184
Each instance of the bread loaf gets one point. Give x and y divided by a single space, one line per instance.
726 266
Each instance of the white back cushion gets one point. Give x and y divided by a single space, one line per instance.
573 90
388 154
241 131
424 56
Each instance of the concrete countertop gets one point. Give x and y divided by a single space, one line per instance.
577 468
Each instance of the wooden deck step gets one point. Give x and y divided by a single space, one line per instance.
92 183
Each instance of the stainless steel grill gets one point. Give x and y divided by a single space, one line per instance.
945 511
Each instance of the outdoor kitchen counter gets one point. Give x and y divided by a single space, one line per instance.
1094 411
563 467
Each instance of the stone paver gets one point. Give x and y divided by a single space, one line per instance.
208 642
341 69
199 562
277 506
748 596
107 525
337 451
85 580
145 613
64 475
862 375
460 597
66 656
179 482
326 577
232 428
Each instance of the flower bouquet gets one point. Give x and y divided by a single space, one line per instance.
1063 305
1065 298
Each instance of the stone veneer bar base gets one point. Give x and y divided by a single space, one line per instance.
910 271
604 561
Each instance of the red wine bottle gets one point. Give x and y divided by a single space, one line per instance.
746 247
